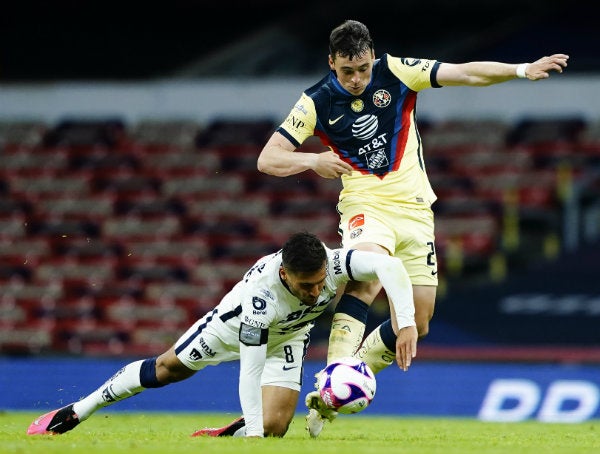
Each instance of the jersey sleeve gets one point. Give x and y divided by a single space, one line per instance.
252 363
416 74
366 266
258 313
301 121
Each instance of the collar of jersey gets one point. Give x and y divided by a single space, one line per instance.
338 87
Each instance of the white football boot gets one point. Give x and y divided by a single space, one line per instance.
318 413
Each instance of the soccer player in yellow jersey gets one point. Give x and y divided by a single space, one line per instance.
363 111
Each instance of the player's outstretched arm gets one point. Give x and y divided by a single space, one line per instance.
484 73
277 158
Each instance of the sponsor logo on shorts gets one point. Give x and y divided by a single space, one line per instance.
355 233
356 221
195 355
289 367
206 348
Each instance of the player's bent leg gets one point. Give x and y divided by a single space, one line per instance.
378 350
132 379
347 331
347 327
424 298
279 407
169 369
125 383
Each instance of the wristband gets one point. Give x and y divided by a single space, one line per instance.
521 70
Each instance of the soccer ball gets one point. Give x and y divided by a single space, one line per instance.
347 385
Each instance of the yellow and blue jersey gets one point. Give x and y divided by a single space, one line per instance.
376 132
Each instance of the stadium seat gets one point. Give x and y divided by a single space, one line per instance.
105 227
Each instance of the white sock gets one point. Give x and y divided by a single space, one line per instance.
125 383
241 432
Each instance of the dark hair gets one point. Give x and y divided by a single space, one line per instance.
350 39
303 253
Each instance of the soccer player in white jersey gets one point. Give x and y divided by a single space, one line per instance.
264 322
364 112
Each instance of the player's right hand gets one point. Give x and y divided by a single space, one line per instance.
330 165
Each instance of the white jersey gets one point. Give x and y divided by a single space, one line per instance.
261 323
263 300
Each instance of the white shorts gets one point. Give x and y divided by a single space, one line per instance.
211 341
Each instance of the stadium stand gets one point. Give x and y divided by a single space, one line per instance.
115 237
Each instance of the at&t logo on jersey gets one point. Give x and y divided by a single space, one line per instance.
365 127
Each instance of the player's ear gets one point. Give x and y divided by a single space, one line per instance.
282 273
331 63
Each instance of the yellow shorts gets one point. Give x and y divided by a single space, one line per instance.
407 233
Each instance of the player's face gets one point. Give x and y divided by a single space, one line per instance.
353 74
305 286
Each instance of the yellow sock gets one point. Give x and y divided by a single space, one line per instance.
375 353
345 336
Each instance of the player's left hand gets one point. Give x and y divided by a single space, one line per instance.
540 69
406 346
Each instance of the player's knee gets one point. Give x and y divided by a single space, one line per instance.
365 291
422 320
170 370
275 427
422 328
424 307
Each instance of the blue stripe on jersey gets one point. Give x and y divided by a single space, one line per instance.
419 144
285 134
433 75
229 315
304 351
201 327
348 268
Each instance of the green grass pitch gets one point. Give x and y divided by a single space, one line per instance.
161 433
